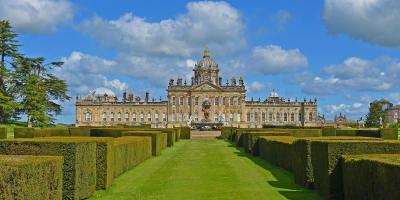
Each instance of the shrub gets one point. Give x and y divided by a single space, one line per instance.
226 132
250 140
390 133
325 161
277 150
30 177
158 139
40 132
358 132
130 151
3 133
79 169
302 167
371 177
171 133
79 131
328 131
185 132
104 158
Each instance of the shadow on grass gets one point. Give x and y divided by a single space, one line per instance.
284 179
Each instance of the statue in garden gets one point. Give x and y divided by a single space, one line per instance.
206 110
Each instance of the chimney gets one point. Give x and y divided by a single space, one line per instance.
146 98
124 97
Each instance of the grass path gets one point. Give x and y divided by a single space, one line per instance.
205 169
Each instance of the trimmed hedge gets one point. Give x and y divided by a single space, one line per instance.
278 150
326 166
226 132
130 151
40 132
302 167
250 140
328 131
171 133
184 133
3 133
390 133
79 169
30 177
104 158
358 132
78 131
158 139
371 177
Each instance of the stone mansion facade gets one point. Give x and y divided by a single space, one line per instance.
184 104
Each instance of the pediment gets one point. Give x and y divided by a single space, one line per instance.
206 86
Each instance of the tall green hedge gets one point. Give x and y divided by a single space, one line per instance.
302 167
371 177
158 139
325 161
79 131
390 133
30 177
40 132
184 132
250 140
3 133
104 157
171 133
277 150
79 169
130 151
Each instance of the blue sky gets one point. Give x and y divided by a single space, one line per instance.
345 53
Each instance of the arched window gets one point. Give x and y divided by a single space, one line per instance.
285 117
256 117
278 117
104 116
112 116
173 101
119 116
310 116
292 117
248 116
126 116
181 101
149 117
264 118
88 116
231 117
239 119
164 117
271 116
232 101
156 116
216 101
141 117
134 116
181 116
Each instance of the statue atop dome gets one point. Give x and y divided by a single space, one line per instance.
206 69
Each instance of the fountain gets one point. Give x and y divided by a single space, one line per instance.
206 124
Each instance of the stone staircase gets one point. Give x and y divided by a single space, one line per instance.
204 135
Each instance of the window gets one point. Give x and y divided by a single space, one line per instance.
270 116
256 117
300 117
278 117
310 116
119 116
127 117
285 117
156 117
134 116
181 116
112 116
173 117
224 101
231 117
164 117
141 117
196 101
223 117
216 117
239 101
181 101
149 116
88 116
263 117
104 116
248 117
292 117
216 101
232 101
239 117
173 101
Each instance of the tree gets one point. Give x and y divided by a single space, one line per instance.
38 90
8 51
374 115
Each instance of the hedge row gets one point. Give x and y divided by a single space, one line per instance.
184 133
251 140
385 133
372 176
277 150
31 177
158 139
328 177
3 133
129 152
79 168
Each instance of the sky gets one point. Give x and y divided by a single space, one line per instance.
345 53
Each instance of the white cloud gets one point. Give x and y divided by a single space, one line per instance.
281 18
36 16
373 21
256 86
354 110
214 23
272 59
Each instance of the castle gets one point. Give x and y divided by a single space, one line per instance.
228 105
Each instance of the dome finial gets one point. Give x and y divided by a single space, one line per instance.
206 53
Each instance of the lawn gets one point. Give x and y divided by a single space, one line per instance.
205 169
